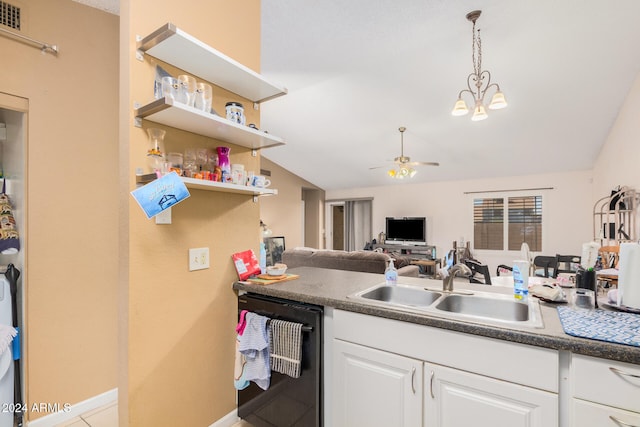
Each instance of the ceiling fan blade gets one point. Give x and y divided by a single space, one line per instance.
424 163
378 167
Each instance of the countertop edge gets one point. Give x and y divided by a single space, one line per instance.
601 349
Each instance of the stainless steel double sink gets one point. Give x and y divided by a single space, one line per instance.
475 306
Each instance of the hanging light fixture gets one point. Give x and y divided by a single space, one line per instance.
479 81
403 168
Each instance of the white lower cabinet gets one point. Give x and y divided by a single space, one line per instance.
375 388
604 393
455 398
390 373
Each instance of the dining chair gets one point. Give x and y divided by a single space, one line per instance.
545 266
479 272
566 264
610 255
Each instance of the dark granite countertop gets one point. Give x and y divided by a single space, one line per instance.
330 288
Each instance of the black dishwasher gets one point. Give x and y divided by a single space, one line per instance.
288 402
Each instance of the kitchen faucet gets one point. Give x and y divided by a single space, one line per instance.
447 282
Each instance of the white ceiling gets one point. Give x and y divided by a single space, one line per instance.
357 70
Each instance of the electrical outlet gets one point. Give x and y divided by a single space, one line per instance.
198 259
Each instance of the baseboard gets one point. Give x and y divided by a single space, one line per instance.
228 420
76 410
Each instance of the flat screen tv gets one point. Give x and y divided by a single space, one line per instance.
406 230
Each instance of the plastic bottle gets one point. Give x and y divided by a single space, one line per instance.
521 280
391 274
263 258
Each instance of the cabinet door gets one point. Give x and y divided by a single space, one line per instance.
375 388
455 398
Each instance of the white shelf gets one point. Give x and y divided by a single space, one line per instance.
172 45
170 113
201 184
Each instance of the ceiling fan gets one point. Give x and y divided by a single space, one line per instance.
404 167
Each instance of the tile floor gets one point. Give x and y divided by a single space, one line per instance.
107 416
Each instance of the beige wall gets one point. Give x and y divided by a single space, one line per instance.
178 329
284 213
619 160
70 269
566 219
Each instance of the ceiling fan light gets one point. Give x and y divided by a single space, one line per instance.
479 112
391 173
498 101
460 108
412 172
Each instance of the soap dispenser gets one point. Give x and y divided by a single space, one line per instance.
391 274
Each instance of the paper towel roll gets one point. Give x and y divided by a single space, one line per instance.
589 254
629 275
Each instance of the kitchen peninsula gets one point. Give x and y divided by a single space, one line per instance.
385 366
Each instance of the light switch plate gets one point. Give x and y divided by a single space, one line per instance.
198 258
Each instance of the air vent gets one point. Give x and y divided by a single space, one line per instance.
9 15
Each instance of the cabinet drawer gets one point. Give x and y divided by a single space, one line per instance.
585 414
606 381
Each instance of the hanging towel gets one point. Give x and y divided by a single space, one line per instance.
7 333
254 346
242 323
286 347
240 381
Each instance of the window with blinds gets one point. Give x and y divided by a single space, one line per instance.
488 223
525 222
519 219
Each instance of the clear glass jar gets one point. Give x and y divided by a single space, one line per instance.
235 112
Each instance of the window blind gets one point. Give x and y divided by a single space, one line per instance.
488 223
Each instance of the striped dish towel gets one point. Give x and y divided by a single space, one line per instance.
286 347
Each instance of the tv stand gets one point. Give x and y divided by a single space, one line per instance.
414 251
421 255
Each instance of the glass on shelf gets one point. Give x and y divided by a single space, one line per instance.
155 154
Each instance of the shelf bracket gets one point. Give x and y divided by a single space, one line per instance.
139 53
254 153
145 179
137 122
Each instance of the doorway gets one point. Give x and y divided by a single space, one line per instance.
338 227
349 224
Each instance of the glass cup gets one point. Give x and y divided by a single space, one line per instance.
176 161
261 181
583 298
203 97
186 89
170 87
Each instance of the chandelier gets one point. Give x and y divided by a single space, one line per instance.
479 81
